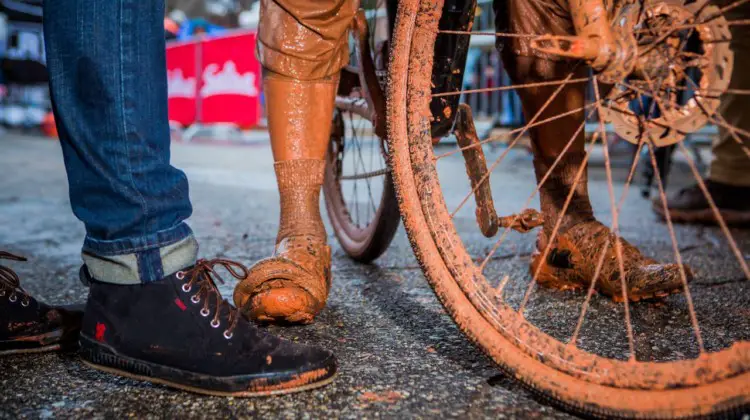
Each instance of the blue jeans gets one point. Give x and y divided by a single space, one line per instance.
107 67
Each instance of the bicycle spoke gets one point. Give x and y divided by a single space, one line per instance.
615 227
675 247
500 137
717 214
558 222
494 34
515 140
512 87
574 338
589 294
512 132
539 185
733 131
362 164
727 8
500 287
631 173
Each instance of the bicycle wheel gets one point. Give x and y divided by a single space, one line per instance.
708 376
358 187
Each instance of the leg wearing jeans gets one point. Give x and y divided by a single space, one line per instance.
108 83
108 73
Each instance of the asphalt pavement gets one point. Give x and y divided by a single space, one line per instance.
400 354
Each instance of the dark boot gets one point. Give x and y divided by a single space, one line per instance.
30 326
180 332
691 206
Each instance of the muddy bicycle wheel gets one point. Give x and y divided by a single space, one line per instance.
358 187
519 325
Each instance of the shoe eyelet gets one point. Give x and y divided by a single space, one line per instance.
195 299
180 275
205 312
186 289
13 298
215 323
25 303
228 335
2 293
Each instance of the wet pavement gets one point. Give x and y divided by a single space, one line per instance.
400 353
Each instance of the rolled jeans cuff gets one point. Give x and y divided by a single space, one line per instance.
141 260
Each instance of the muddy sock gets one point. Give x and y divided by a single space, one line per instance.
299 184
555 191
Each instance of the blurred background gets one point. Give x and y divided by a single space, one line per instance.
215 92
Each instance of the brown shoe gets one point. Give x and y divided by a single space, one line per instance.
573 257
691 206
30 326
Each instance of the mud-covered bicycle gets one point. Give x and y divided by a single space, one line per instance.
629 52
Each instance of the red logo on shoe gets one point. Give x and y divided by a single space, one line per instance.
100 329
180 304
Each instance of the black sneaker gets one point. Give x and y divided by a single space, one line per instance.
691 206
29 326
180 332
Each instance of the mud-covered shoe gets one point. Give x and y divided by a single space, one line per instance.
180 332
691 206
572 261
30 326
292 285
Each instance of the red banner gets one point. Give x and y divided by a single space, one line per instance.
182 67
230 81
215 80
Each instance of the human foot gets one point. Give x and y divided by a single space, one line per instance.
573 257
179 332
30 326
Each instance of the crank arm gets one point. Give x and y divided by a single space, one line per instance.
476 169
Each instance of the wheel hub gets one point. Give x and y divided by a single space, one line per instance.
683 64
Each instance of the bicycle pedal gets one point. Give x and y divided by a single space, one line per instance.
476 169
522 222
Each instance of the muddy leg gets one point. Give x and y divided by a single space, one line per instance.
563 136
569 260
302 46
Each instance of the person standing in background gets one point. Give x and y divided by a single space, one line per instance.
728 179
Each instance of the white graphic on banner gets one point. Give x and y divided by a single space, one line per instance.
178 86
227 81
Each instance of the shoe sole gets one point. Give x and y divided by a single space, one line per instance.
706 216
103 358
45 349
44 343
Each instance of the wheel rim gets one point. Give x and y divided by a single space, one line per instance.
729 366
358 186
354 220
